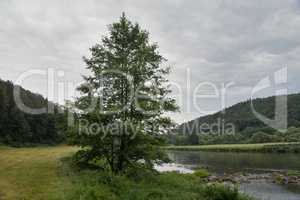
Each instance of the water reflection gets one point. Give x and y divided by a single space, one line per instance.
185 161
169 167
269 191
228 162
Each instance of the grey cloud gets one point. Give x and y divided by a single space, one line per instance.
219 41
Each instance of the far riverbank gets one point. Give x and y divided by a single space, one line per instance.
262 148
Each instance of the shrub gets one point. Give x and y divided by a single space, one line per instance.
293 173
102 185
221 192
85 159
202 173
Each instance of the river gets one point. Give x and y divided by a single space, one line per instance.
220 162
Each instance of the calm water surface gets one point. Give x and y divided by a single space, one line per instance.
220 162
227 162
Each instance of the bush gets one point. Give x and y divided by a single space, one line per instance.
220 192
85 159
202 173
140 173
102 185
293 173
261 137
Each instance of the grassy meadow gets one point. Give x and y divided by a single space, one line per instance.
32 173
45 173
262 147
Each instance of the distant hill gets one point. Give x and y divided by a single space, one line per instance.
213 129
243 118
18 128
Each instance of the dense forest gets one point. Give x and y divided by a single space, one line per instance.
19 129
248 128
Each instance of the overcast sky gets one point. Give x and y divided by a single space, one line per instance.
236 42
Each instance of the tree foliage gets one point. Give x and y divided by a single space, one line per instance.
128 90
248 128
18 128
243 118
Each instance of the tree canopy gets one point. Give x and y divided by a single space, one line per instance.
124 99
18 128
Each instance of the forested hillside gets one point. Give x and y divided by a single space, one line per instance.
248 128
19 129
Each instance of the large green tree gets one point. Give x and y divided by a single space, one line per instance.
124 100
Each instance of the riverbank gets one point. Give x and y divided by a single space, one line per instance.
261 175
263 148
276 177
42 173
267 185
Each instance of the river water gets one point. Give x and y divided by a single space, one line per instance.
220 162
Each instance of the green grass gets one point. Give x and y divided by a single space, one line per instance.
202 173
32 173
293 173
265 147
91 185
40 173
